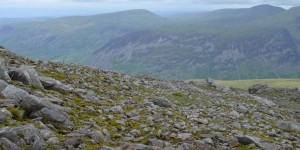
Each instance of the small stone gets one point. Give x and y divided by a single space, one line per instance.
53 140
242 109
233 142
117 136
185 137
39 145
135 133
208 141
117 110
234 114
155 142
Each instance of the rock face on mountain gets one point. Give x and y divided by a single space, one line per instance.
177 56
106 110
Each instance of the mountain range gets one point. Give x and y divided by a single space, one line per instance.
257 42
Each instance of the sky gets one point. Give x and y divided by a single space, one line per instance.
57 8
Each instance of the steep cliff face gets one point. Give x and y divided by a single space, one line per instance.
176 56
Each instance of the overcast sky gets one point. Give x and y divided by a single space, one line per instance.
36 8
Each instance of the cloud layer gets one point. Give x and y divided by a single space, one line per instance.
174 2
19 8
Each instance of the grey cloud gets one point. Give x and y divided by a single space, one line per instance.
204 2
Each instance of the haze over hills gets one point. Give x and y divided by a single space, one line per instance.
257 42
72 38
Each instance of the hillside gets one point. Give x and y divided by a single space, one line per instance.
55 106
228 44
179 56
72 39
231 17
260 48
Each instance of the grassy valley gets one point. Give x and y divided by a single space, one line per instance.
246 84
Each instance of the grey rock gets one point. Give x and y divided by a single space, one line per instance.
185 137
56 118
162 102
203 121
21 135
234 114
208 141
135 133
259 88
6 144
3 71
288 125
39 108
29 133
4 115
52 84
131 146
156 142
3 85
233 142
8 103
185 146
202 146
98 136
53 140
109 148
11 135
116 110
33 104
242 109
246 140
11 92
26 75
74 142
263 101
39 145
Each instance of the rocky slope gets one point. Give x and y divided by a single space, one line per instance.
46 105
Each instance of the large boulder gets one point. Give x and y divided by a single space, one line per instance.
288 125
259 88
4 72
58 119
26 75
36 107
52 84
73 142
258 99
11 92
19 137
7 144
32 104
246 140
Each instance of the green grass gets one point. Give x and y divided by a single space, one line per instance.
245 84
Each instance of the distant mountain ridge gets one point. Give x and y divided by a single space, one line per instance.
257 42
74 38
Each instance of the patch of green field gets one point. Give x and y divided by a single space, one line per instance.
245 84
